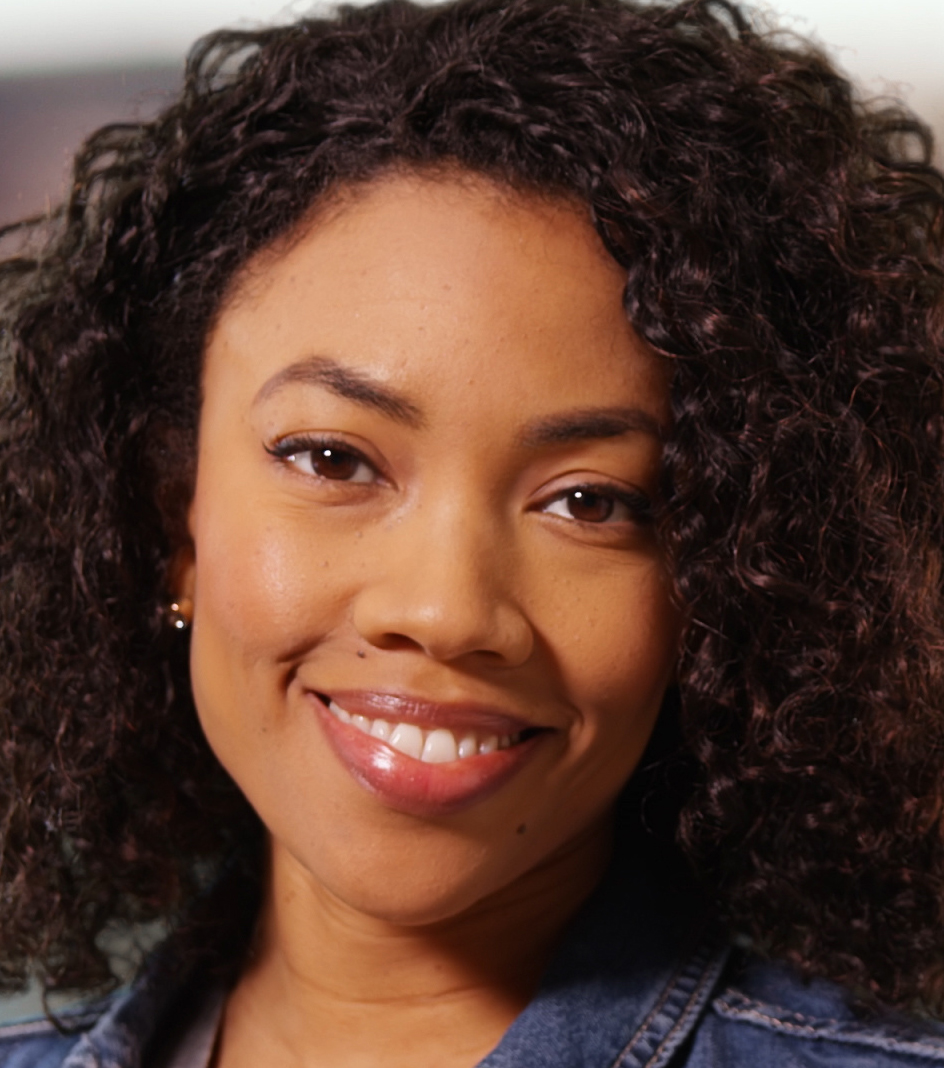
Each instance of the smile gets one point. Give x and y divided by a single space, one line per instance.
423 759
437 746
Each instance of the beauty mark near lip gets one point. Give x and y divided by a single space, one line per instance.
424 787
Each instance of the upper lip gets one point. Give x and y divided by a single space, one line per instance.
406 708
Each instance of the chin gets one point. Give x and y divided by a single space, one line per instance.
404 895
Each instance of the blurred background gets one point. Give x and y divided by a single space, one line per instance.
68 67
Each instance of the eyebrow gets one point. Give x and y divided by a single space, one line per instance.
584 424
590 424
344 382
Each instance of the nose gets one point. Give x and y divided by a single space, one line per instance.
443 585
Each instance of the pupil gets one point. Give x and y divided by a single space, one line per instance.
332 463
590 507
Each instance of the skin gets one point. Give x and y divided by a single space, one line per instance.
453 563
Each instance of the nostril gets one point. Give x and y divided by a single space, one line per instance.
447 624
391 641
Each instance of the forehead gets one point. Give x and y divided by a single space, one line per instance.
446 281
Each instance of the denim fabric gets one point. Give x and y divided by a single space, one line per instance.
112 1034
634 984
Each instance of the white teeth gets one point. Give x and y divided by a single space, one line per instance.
381 729
439 747
343 715
407 738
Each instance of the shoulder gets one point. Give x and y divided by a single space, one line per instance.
111 1031
768 1015
121 1030
40 1043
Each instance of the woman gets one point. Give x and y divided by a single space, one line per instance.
449 455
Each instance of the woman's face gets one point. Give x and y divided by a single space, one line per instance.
432 629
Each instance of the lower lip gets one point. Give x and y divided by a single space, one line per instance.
413 786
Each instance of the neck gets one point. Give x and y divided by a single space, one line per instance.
328 985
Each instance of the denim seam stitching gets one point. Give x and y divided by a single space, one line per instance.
650 1016
846 1032
694 970
741 1005
708 977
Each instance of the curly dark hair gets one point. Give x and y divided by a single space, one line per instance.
782 244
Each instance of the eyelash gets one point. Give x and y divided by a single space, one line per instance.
637 504
289 449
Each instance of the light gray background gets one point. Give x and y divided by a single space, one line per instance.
68 67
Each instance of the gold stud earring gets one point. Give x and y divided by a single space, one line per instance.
179 614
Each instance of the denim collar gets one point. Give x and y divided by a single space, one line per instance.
121 1034
633 974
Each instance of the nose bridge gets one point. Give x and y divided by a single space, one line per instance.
445 582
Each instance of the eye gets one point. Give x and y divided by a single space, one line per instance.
602 505
331 460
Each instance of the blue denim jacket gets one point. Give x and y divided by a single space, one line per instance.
633 985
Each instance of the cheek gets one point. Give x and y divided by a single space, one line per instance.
617 652
263 595
265 586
